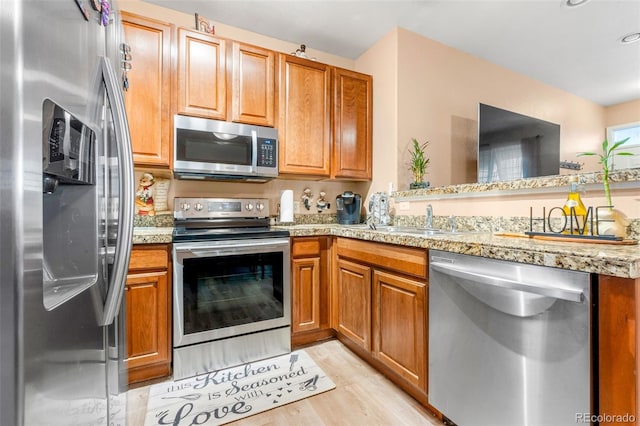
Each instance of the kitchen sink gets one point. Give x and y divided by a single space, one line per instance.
410 230
413 230
424 231
398 229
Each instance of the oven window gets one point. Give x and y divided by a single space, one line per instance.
227 291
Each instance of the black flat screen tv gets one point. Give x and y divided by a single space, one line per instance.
514 146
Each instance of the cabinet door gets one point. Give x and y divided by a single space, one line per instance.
148 99
148 326
399 326
202 89
352 125
618 381
253 85
354 302
305 117
306 294
148 313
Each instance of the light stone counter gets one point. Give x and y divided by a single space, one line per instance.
152 235
607 259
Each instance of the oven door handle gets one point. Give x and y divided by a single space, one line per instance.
230 248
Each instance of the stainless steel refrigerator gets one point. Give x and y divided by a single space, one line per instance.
66 213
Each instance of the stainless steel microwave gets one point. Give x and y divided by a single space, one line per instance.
221 150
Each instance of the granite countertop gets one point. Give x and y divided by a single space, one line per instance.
607 259
152 235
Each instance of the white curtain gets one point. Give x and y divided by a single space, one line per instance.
504 162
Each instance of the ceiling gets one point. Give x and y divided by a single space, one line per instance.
576 49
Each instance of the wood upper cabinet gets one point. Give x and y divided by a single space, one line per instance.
318 142
304 117
148 99
310 289
202 87
399 326
252 85
148 313
354 309
352 125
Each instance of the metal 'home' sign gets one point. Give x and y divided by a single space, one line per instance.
560 221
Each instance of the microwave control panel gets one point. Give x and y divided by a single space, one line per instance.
267 152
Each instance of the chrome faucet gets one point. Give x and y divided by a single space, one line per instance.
429 224
452 223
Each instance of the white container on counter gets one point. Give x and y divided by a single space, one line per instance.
286 206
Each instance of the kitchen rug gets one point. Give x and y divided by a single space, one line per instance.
227 395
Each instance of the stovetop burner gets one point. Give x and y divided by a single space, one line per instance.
206 219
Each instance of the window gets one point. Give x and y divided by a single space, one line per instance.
618 133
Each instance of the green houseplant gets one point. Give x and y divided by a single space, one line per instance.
606 157
418 164
615 222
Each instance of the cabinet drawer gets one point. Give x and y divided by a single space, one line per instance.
148 257
406 260
305 247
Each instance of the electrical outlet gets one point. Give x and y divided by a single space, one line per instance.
403 206
296 206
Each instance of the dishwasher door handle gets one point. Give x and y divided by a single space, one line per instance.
479 277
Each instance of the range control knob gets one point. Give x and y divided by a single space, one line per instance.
259 206
249 206
198 207
185 206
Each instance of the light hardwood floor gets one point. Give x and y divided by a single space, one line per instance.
362 397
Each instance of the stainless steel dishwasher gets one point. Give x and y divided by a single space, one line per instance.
509 343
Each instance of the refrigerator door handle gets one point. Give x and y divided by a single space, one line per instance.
126 206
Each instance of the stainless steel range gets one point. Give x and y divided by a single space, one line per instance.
232 289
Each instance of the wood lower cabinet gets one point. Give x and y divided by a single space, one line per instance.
399 326
618 346
310 290
148 99
352 153
379 303
354 309
202 87
148 313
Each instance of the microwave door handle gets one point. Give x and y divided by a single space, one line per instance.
126 207
254 149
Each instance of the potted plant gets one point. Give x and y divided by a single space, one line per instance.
613 221
418 164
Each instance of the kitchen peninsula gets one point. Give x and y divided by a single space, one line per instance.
617 261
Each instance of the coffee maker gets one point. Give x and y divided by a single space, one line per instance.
348 207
